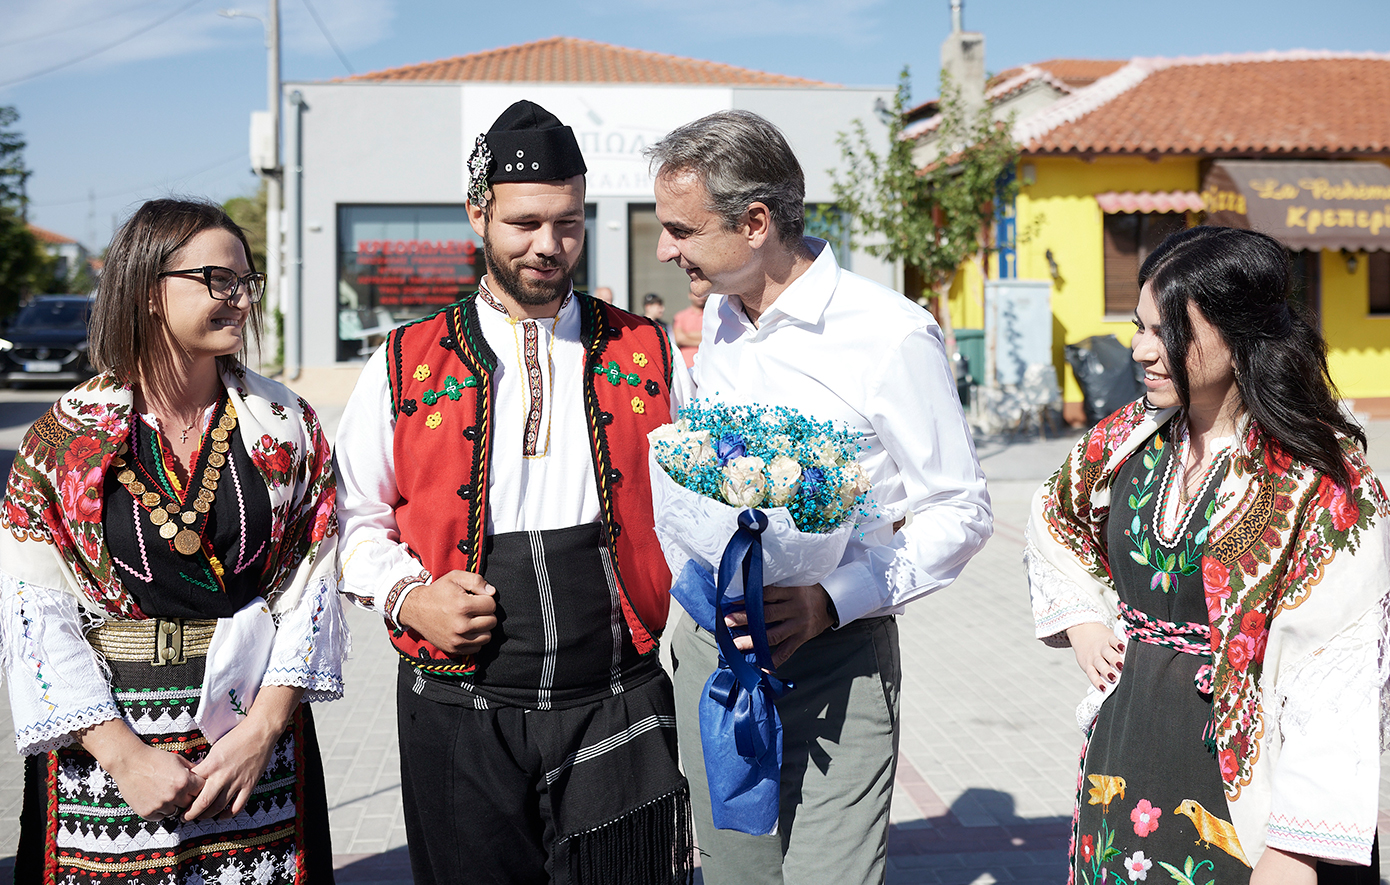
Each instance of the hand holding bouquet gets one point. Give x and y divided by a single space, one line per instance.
754 495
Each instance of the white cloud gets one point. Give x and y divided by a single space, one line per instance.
41 34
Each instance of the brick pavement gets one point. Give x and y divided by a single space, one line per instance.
988 754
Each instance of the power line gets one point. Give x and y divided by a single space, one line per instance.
327 36
81 58
81 24
135 190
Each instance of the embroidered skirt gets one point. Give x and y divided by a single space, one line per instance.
76 828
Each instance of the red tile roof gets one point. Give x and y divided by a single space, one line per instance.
49 238
1074 72
1282 103
571 60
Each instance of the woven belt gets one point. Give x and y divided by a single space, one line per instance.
1188 637
155 640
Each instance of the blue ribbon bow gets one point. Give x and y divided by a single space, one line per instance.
738 705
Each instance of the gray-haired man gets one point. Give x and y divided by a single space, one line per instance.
785 325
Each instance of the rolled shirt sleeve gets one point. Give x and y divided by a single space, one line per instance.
931 472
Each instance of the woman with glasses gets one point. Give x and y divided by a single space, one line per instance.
1217 555
168 597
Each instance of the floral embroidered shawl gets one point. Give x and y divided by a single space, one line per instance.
52 513
1292 562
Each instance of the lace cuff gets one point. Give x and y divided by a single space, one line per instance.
57 685
1330 840
1057 602
311 643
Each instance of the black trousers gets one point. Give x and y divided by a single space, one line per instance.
502 794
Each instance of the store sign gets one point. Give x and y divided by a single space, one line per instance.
415 272
613 124
1331 204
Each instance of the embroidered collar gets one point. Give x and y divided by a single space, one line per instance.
486 296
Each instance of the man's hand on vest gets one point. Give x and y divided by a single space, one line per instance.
794 615
455 613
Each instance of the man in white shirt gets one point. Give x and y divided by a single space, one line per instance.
787 326
496 511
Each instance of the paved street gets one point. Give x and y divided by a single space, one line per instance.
987 770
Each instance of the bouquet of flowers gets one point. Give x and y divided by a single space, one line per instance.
745 496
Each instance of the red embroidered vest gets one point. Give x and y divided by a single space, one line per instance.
443 448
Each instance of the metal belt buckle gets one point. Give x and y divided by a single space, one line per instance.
168 642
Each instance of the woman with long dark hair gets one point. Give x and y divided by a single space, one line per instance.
168 590
1222 546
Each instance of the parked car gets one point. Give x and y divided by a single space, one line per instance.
47 341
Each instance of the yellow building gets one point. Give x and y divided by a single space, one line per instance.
1115 155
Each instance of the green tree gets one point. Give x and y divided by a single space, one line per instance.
24 266
13 172
932 219
249 212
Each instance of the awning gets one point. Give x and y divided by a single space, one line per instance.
1308 204
1118 202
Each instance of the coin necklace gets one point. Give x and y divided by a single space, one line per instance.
169 514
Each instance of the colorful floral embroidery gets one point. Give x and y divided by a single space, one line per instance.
453 389
638 406
434 420
1189 872
616 375
1145 817
422 372
1138 866
640 359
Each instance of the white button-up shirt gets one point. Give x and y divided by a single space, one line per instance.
837 346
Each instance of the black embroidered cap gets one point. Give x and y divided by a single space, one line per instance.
526 143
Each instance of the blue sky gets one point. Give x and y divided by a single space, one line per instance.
167 110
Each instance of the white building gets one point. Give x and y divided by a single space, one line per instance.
377 208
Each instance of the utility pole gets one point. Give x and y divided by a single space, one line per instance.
273 177
268 163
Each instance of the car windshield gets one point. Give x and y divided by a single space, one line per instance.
54 314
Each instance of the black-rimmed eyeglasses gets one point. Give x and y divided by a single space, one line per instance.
223 283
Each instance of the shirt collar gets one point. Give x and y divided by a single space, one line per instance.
808 295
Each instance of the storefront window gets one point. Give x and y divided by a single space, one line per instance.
399 263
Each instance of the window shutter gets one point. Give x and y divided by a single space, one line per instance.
1121 264
1378 270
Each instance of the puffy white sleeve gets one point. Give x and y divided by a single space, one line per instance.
311 642
1326 781
57 685
378 570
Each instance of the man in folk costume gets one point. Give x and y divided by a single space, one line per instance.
497 512
786 326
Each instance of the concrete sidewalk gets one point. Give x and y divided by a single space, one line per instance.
987 770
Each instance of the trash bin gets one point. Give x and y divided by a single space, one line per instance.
968 362
1108 376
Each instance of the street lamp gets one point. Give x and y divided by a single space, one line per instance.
265 145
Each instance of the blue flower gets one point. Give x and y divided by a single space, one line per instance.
729 447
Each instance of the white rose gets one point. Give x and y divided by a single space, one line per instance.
853 483
665 443
784 480
825 453
699 450
781 443
668 431
745 484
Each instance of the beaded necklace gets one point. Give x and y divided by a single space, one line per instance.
164 506
1168 527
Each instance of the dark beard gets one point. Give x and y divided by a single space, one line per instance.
532 293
